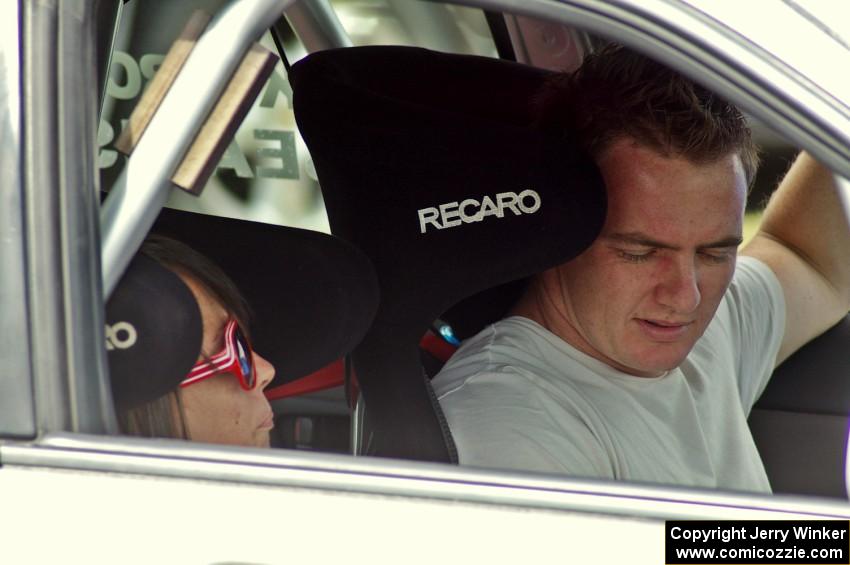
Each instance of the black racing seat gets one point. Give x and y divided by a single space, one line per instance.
431 165
800 423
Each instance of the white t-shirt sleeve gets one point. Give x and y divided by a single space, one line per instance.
753 313
512 430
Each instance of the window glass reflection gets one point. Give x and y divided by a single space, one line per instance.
266 173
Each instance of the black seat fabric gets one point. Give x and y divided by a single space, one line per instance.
800 423
429 163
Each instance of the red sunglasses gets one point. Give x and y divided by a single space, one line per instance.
236 357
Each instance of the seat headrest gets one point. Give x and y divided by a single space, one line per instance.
432 164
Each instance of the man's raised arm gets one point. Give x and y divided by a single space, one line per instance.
805 239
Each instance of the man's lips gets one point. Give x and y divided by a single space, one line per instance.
660 330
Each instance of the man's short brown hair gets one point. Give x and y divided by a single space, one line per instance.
619 93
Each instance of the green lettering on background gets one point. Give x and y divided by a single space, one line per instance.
277 84
150 63
132 78
105 134
233 158
285 152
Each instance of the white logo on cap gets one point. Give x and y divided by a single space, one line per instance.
452 214
121 335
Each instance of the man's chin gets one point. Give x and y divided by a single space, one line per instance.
662 359
657 367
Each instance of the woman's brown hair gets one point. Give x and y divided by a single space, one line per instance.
162 417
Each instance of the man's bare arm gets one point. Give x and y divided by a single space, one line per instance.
805 239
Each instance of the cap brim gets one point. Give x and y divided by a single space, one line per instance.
312 295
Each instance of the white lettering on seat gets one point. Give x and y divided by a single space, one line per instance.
468 211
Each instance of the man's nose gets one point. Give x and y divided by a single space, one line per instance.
678 288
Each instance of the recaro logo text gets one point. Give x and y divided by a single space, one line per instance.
453 214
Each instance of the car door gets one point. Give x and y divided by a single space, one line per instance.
74 490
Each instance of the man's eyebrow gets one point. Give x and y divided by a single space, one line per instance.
637 238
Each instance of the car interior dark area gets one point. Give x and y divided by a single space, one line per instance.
390 142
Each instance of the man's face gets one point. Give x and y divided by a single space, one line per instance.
640 297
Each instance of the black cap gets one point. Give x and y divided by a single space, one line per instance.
153 333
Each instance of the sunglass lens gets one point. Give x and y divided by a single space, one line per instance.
246 362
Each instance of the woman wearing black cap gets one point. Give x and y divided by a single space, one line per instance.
180 362
220 398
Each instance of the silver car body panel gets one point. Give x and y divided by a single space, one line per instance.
176 458
63 298
318 507
113 499
133 519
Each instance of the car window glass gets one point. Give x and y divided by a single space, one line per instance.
424 24
266 173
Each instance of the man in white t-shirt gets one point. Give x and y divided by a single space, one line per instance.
641 358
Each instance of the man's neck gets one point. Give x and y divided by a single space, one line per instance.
540 307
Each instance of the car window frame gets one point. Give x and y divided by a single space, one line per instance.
64 291
680 36
64 298
17 412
